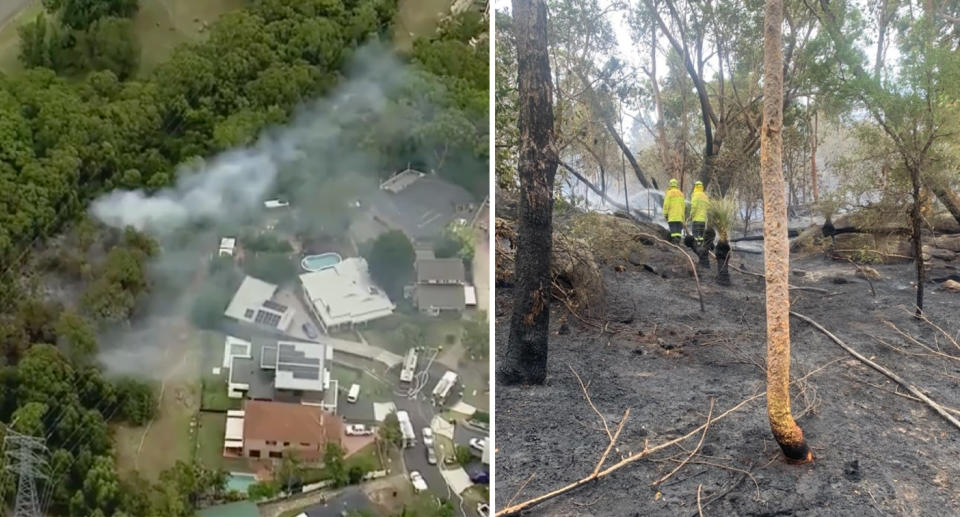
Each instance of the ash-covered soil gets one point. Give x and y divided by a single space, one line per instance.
876 452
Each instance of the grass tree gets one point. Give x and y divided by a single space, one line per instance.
720 214
776 257
525 360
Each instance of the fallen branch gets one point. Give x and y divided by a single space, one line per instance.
794 287
896 378
866 276
699 506
519 490
693 266
934 353
515 509
695 449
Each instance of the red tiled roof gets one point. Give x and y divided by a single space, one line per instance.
285 422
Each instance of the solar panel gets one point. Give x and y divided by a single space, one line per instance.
275 306
289 354
301 371
267 318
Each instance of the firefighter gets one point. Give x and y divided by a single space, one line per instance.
674 206
698 211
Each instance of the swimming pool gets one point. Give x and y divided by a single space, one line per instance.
320 262
240 481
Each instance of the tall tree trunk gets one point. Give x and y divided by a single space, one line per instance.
916 236
776 259
947 196
525 360
813 160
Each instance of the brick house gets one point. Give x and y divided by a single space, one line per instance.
270 428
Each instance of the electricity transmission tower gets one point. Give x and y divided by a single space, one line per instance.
25 458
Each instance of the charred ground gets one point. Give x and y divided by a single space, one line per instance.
876 452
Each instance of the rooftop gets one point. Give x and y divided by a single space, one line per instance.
440 296
252 303
285 365
285 422
440 271
424 208
345 294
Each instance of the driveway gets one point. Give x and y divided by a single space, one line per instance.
351 498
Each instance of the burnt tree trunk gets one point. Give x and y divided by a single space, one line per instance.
723 261
916 237
525 360
776 257
948 197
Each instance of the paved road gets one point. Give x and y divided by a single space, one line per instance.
352 498
8 8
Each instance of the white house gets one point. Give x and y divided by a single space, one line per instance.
252 303
344 295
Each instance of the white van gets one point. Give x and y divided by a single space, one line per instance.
354 393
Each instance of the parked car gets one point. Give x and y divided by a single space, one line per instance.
310 331
431 456
428 437
482 508
419 485
480 477
358 430
478 444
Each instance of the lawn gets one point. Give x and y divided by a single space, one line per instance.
212 427
370 388
10 38
164 24
417 18
160 24
366 457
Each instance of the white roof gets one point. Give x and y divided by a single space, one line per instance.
228 350
228 243
469 295
345 294
249 301
382 409
444 384
401 180
275 203
234 429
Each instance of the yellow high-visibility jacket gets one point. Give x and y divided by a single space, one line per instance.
674 205
698 205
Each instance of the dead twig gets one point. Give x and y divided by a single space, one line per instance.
693 453
693 265
515 509
595 410
522 486
699 506
825 292
613 440
921 344
896 378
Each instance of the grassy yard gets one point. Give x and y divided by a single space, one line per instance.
210 439
160 24
366 458
384 333
10 38
370 388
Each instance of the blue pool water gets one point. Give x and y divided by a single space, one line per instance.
240 482
320 262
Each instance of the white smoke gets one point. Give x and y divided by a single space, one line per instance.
239 180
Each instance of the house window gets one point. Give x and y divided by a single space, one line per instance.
276 455
248 313
254 453
271 442
304 444
286 444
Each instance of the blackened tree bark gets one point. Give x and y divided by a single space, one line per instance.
776 257
916 236
525 360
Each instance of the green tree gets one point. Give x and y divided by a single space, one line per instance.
390 260
111 44
28 419
476 335
462 454
138 402
80 14
334 465
390 430
264 490
290 470
77 335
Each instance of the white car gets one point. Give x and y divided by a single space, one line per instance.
419 485
478 444
428 437
482 508
358 430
